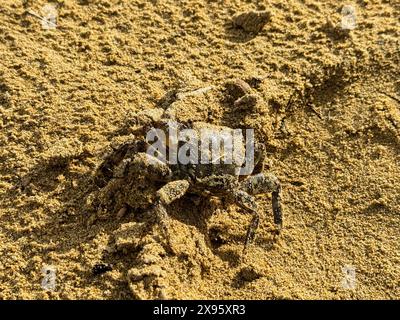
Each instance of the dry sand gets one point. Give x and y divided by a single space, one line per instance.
330 120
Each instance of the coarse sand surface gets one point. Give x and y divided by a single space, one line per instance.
327 75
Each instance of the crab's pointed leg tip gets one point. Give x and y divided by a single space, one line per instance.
243 256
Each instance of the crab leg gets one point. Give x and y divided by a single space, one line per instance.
262 183
155 169
248 202
172 191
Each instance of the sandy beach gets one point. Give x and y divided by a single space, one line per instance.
325 77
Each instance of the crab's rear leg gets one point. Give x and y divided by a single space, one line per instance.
170 192
263 183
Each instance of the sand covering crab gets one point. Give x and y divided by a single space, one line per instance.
129 169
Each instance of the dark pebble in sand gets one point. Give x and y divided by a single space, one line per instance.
236 89
252 21
101 268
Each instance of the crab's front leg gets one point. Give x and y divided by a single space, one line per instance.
172 191
248 202
153 168
262 183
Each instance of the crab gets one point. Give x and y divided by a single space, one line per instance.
129 166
